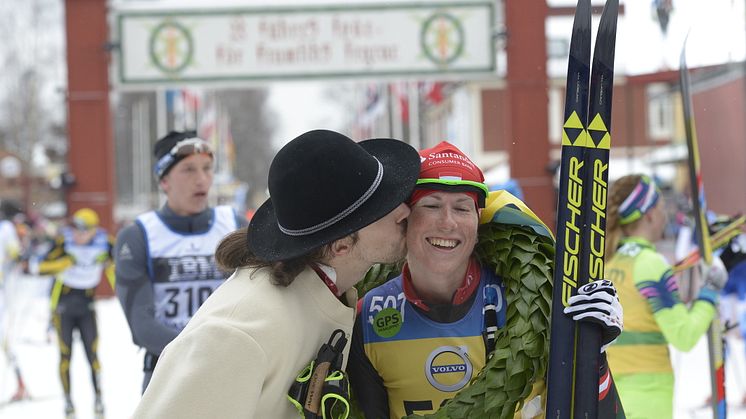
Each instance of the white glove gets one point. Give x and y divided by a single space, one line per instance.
532 408
715 275
597 302
738 244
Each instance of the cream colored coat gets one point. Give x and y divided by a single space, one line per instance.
244 347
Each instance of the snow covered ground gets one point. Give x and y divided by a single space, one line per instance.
35 348
121 364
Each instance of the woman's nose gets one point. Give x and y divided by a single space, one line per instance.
446 219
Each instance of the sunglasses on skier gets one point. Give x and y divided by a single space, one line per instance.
183 148
80 225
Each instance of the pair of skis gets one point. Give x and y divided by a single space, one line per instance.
581 212
715 332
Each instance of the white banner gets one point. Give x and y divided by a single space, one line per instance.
410 40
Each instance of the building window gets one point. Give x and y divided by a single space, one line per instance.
558 48
660 112
556 113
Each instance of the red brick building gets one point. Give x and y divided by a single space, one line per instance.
648 128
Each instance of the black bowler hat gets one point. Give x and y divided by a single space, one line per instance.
324 186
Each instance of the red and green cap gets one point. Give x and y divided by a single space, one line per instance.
446 168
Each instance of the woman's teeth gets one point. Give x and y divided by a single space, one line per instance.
443 242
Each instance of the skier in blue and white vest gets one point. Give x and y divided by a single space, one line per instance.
165 264
80 255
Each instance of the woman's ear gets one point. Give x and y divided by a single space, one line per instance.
649 217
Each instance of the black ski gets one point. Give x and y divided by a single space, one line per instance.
560 381
581 212
699 205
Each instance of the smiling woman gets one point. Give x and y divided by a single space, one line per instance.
441 234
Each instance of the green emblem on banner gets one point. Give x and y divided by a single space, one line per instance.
171 47
442 38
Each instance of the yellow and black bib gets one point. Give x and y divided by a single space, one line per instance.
424 363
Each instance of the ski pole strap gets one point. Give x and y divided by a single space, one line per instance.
335 401
489 313
148 364
299 389
321 389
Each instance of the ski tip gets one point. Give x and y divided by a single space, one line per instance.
682 56
612 6
606 39
580 42
583 8
609 17
582 15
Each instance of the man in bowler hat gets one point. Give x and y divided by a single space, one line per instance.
335 210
